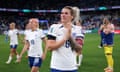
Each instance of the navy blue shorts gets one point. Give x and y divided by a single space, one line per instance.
13 46
55 70
34 61
108 39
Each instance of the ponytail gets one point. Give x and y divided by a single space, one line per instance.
77 14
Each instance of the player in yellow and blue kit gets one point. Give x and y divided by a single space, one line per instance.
108 37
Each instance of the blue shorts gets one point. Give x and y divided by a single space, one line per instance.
108 39
55 70
13 46
34 61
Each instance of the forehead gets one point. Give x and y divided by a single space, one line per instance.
33 20
28 24
12 24
65 10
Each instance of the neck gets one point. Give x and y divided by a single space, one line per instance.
67 23
34 29
12 29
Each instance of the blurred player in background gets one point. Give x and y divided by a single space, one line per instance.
101 35
34 43
79 35
60 42
108 37
13 35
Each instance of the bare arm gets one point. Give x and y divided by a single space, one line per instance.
75 46
45 48
112 28
53 44
26 46
101 27
45 41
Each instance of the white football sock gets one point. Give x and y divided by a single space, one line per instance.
9 59
80 59
17 56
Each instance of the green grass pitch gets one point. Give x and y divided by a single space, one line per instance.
93 60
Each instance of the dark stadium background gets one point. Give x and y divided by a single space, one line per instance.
90 19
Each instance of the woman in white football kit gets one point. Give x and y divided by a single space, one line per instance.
13 34
79 35
34 43
60 42
79 39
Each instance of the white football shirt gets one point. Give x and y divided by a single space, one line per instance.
35 40
26 32
13 36
78 32
63 58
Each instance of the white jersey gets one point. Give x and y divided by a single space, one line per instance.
35 40
13 36
26 32
78 32
63 58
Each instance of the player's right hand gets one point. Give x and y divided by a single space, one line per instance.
67 34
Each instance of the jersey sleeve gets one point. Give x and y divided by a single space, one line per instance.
42 34
79 32
52 32
79 36
24 32
17 31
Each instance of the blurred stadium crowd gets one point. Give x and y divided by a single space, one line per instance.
55 4
90 20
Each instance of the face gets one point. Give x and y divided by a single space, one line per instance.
12 26
66 15
28 26
33 23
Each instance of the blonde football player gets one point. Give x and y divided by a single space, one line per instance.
13 35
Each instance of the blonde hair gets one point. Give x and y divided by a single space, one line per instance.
77 14
35 20
106 21
12 24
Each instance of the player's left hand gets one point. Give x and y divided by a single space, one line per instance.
43 56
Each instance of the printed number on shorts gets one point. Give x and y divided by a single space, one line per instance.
67 44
